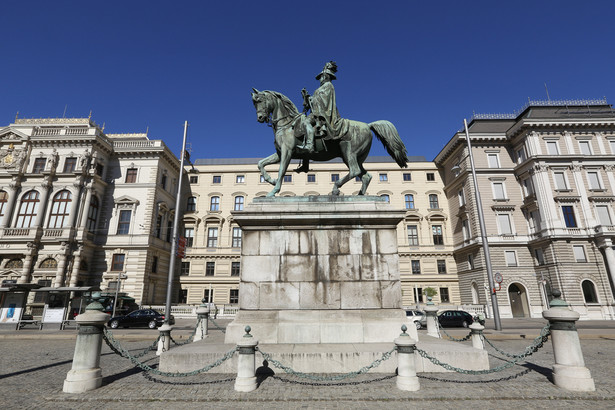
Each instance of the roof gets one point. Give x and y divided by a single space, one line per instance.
248 161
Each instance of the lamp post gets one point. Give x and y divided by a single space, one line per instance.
483 233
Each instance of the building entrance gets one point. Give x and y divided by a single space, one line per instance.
518 300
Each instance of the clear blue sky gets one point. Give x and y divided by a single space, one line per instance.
422 65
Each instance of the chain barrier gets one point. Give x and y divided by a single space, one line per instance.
540 339
501 379
217 326
440 328
150 378
333 384
116 347
108 336
533 348
385 356
190 338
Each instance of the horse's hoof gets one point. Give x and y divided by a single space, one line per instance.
335 192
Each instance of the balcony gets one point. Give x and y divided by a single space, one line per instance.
19 233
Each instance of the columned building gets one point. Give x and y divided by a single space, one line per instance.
79 207
547 182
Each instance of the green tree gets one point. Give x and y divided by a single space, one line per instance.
430 292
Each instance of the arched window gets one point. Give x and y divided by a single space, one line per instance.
589 291
386 197
409 199
215 203
191 205
92 214
27 209
14 264
60 209
3 199
49 263
238 203
433 201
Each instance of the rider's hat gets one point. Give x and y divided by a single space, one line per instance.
330 68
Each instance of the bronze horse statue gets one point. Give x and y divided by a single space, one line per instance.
290 126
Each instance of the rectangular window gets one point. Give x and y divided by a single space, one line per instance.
191 204
612 144
407 176
235 268
579 253
288 178
163 181
437 235
409 200
471 261
461 197
431 176
212 237
594 180
189 234
419 295
604 217
117 263
552 148
240 179
39 165
465 229
131 175
155 264
416 267
184 269
504 224
383 178
311 178
494 161
238 203
194 179
210 268
236 237
521 155
569 218
183 296
433 201
441 266
413 235
560 181
585 148
208 296
335 177
123 225
234 296
540 257
511 258
217 179
70 164
528 189
444 297
214 203
100 169
498 191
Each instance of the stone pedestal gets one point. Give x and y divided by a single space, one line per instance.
319 269
432 320
202 313
477 335
164 343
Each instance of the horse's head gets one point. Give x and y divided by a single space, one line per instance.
263 105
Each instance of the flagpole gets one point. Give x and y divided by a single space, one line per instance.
167 310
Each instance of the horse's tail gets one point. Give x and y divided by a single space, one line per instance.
388 135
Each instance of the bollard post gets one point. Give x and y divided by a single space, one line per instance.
432 320
202 313
477 335
246 363
85 373
569 371
164 343
407 379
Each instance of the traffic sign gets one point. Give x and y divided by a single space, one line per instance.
498 277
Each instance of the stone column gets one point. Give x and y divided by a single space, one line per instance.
246 363
42 209
164 344
432 320
202 313
85 374
74 206
59 280
86 207
477 335
10 205
27 265
569 371
406 367
609 253
74 276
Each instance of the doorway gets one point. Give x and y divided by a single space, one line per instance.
518 300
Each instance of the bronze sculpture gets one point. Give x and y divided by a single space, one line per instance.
323 135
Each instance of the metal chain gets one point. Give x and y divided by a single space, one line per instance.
451 337
112 343
542 338
501 379
333 384
150 378
385 356
217 326
148 349
190 338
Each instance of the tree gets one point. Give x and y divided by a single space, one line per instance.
430 292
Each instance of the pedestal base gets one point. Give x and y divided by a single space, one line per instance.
80 381
573 378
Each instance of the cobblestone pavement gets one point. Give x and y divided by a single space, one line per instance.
32 373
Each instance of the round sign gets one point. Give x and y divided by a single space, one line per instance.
498 277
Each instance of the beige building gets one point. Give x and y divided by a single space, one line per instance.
220 186
546 177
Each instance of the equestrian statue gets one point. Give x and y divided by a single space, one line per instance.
322 134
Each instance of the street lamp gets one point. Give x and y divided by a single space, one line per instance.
483 231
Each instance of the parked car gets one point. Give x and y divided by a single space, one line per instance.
143 317
418 317
455 318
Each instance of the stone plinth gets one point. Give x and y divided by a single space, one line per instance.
319 269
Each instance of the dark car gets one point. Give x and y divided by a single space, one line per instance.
455 318
143 317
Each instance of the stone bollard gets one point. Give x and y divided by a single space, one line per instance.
406 367
246 363
477 335
85 374
164 343
202 313
432 319
569 371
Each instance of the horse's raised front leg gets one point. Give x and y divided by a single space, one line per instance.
271 159
284 161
